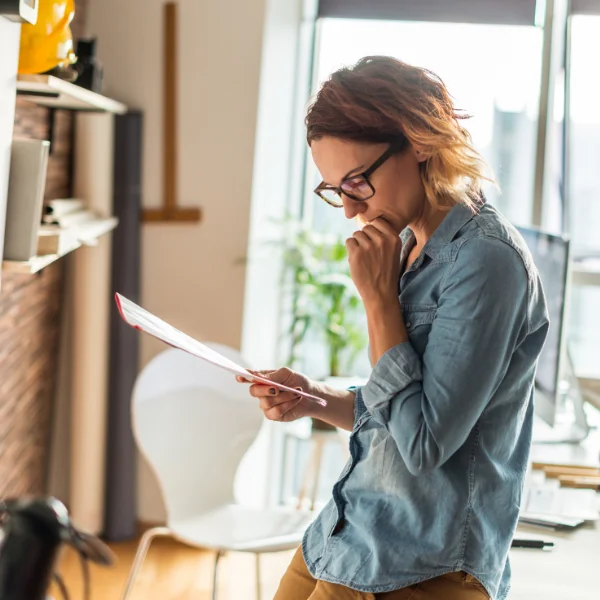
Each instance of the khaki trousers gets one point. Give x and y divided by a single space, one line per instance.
298 584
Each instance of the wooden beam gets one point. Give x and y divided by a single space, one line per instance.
170 133
170 212
178 215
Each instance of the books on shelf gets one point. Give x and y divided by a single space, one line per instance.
27 181
70 219
56 240
62 206
65 212
70 232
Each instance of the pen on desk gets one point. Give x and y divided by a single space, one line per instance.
538 544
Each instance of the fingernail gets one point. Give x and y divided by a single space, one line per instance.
272 391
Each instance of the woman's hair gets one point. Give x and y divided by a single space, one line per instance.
383 100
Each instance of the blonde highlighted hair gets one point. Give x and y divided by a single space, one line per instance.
384 100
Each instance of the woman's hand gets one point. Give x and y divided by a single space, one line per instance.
278 405
285 406
374 258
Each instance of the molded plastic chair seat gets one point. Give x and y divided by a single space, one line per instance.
194 423
241 529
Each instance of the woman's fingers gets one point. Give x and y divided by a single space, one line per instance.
362 238
282 376
351 244
259 390
265 403
276 404
372 232
274 410
241 379
264 373
383 227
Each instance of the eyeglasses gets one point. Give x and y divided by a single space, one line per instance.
358 187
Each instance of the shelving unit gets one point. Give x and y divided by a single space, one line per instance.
57 94
52 92
83 234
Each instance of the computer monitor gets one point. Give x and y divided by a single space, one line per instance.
551 257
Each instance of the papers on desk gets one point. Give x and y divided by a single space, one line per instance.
545 502
141 319
555 522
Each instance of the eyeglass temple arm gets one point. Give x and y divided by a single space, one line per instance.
395 147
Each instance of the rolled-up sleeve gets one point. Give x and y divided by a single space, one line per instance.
431 404
359 405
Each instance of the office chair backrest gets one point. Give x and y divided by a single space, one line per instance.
193 423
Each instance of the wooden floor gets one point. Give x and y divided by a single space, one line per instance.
173 571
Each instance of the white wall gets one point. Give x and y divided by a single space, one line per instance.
9 57
190 275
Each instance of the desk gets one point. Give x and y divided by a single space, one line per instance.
569 571
586 453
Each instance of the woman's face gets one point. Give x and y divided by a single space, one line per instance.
399 194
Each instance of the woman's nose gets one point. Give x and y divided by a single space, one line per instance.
352 207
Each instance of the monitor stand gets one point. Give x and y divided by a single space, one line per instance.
571 424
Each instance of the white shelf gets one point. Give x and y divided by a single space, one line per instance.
87 234
53 92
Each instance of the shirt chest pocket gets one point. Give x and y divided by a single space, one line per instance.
418 319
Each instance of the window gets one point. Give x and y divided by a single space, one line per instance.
584 188
584 136
493 71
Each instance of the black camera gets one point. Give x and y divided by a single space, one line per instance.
32 533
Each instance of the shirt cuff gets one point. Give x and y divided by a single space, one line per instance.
359 406
396 370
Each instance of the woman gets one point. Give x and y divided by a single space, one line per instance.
427 505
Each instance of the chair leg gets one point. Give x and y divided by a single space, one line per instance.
215 574
309 470
141 555
318 458
258 586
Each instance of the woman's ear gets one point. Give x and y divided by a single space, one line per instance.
420 155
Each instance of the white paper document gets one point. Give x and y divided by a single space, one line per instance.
142 320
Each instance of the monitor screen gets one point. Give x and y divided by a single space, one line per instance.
551 257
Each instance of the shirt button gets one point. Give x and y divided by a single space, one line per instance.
409 324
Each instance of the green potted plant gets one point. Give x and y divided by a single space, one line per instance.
325 302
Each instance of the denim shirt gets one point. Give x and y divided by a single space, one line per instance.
442 429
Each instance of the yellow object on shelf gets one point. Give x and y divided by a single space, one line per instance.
49 43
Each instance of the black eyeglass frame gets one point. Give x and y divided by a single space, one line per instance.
393 149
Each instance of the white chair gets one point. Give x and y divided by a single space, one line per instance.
193 423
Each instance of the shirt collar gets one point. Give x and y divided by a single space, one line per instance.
458 216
